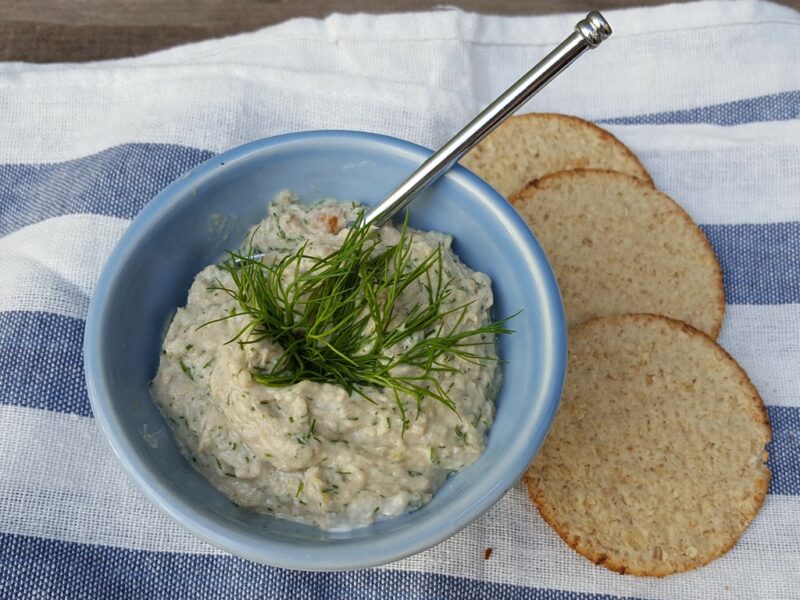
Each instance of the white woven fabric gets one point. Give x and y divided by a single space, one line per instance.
707 94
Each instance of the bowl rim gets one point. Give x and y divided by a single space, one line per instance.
371 552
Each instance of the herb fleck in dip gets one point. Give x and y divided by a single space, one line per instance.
289 439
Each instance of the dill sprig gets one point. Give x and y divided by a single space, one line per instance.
337 318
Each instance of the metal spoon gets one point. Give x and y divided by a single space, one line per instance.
589 32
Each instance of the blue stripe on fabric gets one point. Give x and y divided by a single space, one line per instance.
41 362
41 568
116 182
784 450
760 263
41 366
782 106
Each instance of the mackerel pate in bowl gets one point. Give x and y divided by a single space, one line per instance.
232 423
337 378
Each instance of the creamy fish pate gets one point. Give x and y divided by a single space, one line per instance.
311 452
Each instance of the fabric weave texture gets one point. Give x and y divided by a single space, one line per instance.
707 94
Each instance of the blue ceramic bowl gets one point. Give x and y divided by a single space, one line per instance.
194 220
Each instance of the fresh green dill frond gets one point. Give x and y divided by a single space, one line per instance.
336 318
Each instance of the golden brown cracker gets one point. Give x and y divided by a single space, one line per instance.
656 460
526 147
619 246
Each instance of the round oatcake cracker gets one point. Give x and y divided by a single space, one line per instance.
527 147
619 246
655 462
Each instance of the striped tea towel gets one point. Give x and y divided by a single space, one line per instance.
707 94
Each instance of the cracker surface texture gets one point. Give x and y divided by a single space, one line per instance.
618 246
655 463
527 147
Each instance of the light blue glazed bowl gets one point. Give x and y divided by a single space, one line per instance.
195 219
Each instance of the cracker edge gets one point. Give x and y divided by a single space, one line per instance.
526 194
760 409
606 136
603 134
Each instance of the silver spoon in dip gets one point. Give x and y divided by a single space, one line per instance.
588 33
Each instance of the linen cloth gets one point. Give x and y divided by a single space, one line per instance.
708 96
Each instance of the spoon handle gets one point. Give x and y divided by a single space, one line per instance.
588 33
